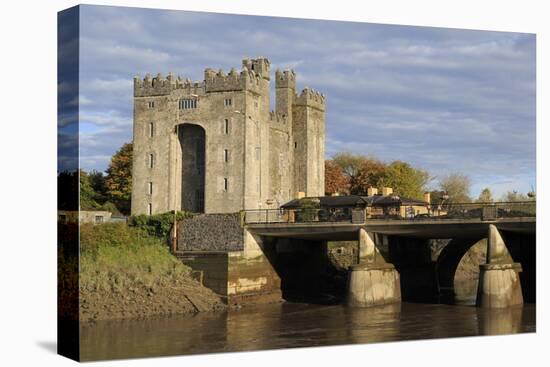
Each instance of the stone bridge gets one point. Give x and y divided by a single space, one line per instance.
394 258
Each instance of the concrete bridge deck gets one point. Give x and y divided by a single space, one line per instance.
424 228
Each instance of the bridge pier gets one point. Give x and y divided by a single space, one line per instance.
372 281
499 284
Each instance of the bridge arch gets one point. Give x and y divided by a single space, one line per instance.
449 260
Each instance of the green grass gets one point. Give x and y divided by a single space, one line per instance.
114 256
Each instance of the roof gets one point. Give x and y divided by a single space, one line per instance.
355 200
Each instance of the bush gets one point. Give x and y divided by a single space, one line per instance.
158 225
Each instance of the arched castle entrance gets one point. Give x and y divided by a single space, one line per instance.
192 140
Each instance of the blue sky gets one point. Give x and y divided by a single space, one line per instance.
445 100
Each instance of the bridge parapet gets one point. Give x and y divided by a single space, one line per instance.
357 215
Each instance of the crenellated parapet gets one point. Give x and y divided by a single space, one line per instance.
159 86
218 81
285 79
260 66
311 98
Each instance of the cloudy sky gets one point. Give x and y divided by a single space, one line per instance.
445 100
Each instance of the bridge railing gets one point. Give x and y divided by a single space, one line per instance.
486 211
303 215
483 211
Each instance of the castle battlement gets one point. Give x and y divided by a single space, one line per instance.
311 98
285 79
218 81
159 86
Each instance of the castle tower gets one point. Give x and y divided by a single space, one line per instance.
308 125
285 91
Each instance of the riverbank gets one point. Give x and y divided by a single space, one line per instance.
126 273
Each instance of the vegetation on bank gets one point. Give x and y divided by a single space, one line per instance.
125 272
158 225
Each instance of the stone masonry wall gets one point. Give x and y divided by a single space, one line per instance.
211 232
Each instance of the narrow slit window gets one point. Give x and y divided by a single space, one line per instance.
225 183
151 160
150 188
226 126
151 129
150 209
226 155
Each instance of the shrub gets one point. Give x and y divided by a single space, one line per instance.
158 225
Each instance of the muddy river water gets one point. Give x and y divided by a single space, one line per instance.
291 325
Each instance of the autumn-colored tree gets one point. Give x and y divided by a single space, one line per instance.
370 174
118 182
405 180
335 179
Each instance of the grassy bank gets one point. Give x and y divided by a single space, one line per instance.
125 272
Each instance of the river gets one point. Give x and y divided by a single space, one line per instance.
292 325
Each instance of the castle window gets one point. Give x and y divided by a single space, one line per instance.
151 160
151 129
226 155
150 209
295 145
99 218
151 104
187 104
227 102
225 183
150 188
226 126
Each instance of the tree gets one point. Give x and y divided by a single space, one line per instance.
457 186
335 179
350 164
97 182
405 180
485 196
371 173
88 197
515 196
118 182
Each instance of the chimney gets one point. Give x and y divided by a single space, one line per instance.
371 191
300 195
427 197
386 191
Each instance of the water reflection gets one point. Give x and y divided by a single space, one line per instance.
500 321
291 325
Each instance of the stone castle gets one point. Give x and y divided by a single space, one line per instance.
216 147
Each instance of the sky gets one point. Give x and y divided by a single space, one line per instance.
444 100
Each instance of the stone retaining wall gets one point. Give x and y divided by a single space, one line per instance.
211 232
